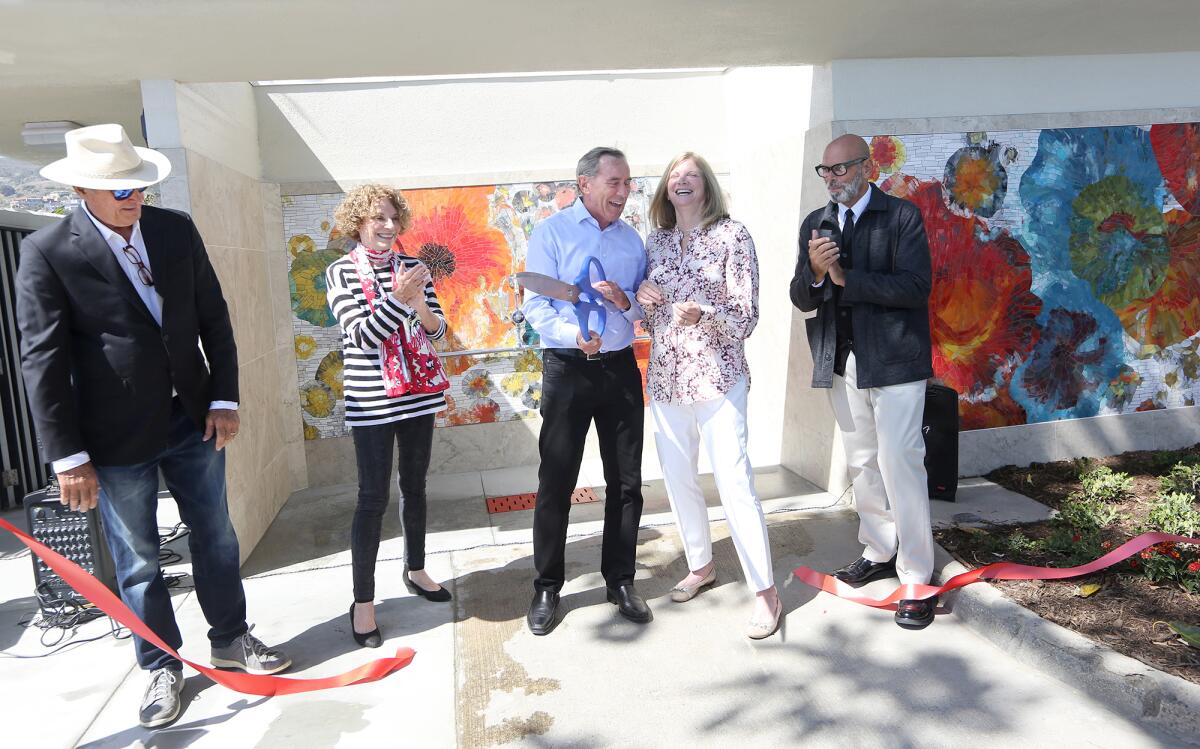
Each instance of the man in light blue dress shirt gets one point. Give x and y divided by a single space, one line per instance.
596 378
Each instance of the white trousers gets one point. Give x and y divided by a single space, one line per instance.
885 452
721 425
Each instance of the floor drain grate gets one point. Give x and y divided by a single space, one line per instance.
512 502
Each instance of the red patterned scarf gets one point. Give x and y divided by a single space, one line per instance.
396 377
408 362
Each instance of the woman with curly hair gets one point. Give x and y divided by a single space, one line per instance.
393 383
700 298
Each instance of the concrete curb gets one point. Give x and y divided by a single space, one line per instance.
1126 685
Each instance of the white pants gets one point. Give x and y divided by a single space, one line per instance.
885 452
721 425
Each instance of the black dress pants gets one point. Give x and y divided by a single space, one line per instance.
576 391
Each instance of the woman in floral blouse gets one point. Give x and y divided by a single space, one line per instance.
700 299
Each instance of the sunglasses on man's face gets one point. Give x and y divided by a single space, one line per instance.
124 194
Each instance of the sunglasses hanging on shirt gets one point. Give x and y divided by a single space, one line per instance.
143 271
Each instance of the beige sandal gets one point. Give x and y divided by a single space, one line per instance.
758 630
681 593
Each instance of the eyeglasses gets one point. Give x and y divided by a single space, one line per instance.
143 272
124 195
837 170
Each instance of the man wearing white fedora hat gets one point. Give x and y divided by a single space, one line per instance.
114 304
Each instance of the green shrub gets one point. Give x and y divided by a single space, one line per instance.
1183 478
1018 544
1075 546
1083 513
1104 485
1174 513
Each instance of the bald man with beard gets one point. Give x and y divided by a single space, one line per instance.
864 268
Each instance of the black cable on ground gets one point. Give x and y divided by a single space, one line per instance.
60 618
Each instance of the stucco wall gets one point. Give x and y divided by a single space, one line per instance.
446 134
920 88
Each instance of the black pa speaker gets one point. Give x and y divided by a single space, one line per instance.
940 428
75 535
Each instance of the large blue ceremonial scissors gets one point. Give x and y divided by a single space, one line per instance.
581 294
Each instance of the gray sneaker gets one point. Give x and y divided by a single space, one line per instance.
161 703
249 654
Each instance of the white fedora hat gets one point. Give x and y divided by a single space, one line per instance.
102 158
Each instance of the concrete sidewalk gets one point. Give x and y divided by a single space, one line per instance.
837 674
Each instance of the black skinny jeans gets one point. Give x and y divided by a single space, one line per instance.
373 449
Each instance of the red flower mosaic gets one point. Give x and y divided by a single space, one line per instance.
982 314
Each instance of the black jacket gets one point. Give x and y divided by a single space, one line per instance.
98 369
887 288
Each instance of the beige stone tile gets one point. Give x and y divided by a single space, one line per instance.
208 204
272 213
252 527
289 413
256 331
248 210
280 296
297 465
271 492
240 473
276 434
262 421
226 204
223 261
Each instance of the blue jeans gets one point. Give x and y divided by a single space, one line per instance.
195 474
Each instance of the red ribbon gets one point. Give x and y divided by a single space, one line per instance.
995 571
264 686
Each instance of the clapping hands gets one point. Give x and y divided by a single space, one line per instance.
409 286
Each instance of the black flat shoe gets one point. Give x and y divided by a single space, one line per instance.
371 639
441 595
915 614
541 612
630 604
861 570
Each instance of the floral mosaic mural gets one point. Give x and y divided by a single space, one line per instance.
1066 266
473 239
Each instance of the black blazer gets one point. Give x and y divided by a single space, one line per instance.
98 369
887 288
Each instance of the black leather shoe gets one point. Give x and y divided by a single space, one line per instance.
371 639
441 595
630 604
915 614
862 570
541 612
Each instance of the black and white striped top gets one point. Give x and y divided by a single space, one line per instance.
362 333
